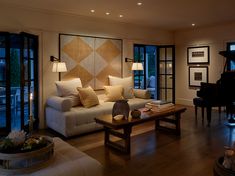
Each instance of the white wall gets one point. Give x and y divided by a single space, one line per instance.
48 25
216 37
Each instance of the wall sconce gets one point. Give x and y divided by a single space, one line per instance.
129 60
58 66
135 65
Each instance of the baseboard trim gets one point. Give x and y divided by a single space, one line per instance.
184 101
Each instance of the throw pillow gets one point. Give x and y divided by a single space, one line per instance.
68 89
142 93
113 93
88 97
127 84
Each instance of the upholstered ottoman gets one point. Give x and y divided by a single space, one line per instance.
69 161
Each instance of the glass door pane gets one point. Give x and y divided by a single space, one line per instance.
3 83
146 79
29 82
166 73
231 65
139 76
151 70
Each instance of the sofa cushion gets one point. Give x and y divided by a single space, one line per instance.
113 93
127 84
88 97
69 89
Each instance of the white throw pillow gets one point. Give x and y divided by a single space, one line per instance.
126 83
69 89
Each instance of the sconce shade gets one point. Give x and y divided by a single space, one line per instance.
137 66
59 67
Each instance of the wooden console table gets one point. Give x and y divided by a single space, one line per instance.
111 126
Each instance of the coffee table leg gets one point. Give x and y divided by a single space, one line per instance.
106 135
126 136
175 122
177 117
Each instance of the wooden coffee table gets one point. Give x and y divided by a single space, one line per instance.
111 126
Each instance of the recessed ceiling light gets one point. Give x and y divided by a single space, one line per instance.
120 16
92 11
193 24
107 13
139 3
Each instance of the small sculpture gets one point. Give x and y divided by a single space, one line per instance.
135 113
121 107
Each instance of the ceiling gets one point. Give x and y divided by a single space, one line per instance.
163 14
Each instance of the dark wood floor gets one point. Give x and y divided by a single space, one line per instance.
159 153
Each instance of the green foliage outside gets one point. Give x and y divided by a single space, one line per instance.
14 68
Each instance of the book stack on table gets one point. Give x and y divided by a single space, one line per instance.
159 105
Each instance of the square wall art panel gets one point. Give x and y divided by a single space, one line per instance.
91 59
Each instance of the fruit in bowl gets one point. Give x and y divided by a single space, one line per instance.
17 137
34 142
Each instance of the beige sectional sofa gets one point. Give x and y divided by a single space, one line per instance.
73 110
70 121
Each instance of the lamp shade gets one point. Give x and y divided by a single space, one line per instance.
59 67
137 66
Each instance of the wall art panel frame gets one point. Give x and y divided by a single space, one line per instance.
91 58
198 55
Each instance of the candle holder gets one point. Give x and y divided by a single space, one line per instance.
31 120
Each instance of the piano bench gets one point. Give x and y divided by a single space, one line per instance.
200 102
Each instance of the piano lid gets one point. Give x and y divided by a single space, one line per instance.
228 54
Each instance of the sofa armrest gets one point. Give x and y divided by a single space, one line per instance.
142 93
59 103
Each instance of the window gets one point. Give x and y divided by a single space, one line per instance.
158 73
146 79
231 64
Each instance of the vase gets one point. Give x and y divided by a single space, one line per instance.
121 107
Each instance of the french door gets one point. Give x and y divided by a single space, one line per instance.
166 73
158 75
18 78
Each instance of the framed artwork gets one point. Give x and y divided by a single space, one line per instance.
197 75
91 59
198 55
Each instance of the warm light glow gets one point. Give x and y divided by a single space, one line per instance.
137 66
139 3
31 96
193 24
59 67
92 11
120 16
107 13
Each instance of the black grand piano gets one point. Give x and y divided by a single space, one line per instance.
221 93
